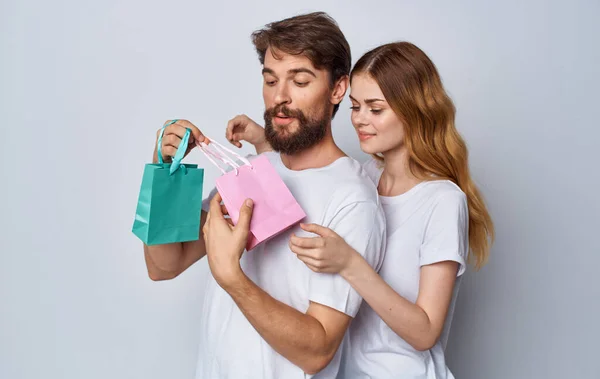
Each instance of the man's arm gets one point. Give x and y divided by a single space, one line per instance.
168 261
308 340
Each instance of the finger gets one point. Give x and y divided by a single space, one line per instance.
313 264
168 151
168 122
233 137
176 129
171 140
307 242
236 138
215 207
196 133
205 227
245 215
236 143
224 209
317 229
302 252
170 144
315 269
231 124
207 217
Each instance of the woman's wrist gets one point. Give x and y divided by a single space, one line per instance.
353 267
262 147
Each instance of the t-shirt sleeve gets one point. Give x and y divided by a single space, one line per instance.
447 232
373 169
362 226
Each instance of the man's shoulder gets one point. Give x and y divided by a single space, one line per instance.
345 179
272 156
353 184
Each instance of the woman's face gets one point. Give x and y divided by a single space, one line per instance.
379 129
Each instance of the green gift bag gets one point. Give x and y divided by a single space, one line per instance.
170 199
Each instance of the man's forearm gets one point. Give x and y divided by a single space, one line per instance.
163 261
169 260
297 336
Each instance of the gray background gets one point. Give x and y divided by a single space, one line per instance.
84 86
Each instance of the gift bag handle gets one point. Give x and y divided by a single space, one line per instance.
220 154
180 150
210 155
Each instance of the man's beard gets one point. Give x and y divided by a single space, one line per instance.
309 133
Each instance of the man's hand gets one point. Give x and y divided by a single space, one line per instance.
224 242
172 138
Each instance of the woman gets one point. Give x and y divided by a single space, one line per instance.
436 217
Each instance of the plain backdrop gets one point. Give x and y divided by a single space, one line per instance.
85 85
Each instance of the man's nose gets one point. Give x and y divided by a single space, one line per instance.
282 95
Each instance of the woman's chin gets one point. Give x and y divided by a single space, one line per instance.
367 149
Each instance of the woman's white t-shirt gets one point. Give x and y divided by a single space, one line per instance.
426 225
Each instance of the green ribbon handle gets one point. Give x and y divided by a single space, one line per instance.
180 150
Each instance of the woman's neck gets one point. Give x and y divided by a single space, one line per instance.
396 178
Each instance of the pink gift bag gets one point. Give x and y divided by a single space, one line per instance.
275 208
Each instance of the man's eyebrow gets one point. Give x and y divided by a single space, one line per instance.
293 71
300 70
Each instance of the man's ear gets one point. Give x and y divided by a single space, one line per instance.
339 90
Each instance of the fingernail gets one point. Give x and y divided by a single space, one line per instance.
249 203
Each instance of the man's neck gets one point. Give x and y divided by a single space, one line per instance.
322 154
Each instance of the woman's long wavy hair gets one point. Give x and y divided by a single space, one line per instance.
412 86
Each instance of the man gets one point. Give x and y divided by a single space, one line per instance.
266 315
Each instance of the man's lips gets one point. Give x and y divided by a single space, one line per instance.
283 120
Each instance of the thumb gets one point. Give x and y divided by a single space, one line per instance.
245 216
197 134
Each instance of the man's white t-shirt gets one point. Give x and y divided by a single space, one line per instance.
426 225
339 196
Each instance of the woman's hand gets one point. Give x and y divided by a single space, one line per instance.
327 253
